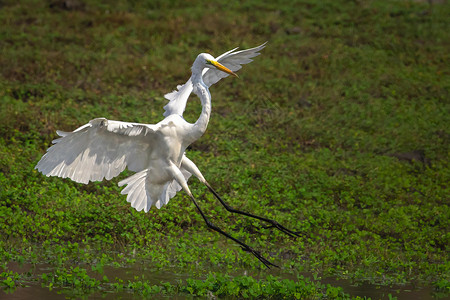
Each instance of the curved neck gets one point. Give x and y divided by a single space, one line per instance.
202 91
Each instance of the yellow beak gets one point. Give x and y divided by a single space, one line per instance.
222 68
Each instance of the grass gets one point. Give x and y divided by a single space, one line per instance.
338 130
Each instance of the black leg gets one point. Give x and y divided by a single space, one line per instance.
244 246
272 222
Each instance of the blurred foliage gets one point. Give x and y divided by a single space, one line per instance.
338 130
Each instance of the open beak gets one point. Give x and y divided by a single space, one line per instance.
222 68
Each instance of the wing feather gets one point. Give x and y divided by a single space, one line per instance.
177 99
233 61
100 149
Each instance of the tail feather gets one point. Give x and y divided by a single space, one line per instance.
142 193
137 192
141 201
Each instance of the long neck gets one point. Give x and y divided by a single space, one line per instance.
202 91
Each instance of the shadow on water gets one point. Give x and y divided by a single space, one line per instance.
138 271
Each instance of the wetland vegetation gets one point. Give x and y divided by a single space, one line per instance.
338 130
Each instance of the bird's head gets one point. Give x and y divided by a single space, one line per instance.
205 60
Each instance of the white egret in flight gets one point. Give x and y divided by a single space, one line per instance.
104 148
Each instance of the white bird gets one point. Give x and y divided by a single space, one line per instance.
104 148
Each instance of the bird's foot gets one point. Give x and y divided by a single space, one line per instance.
283 229
255 253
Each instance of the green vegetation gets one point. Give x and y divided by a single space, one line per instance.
338 130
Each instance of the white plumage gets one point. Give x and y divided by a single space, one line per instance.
102 149
230 59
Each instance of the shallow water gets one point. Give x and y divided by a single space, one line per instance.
403 292
34 291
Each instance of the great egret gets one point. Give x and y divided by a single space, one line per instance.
103 148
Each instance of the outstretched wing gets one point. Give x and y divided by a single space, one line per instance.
100 149
231 59
177 99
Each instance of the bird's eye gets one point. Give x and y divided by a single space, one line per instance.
208 62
